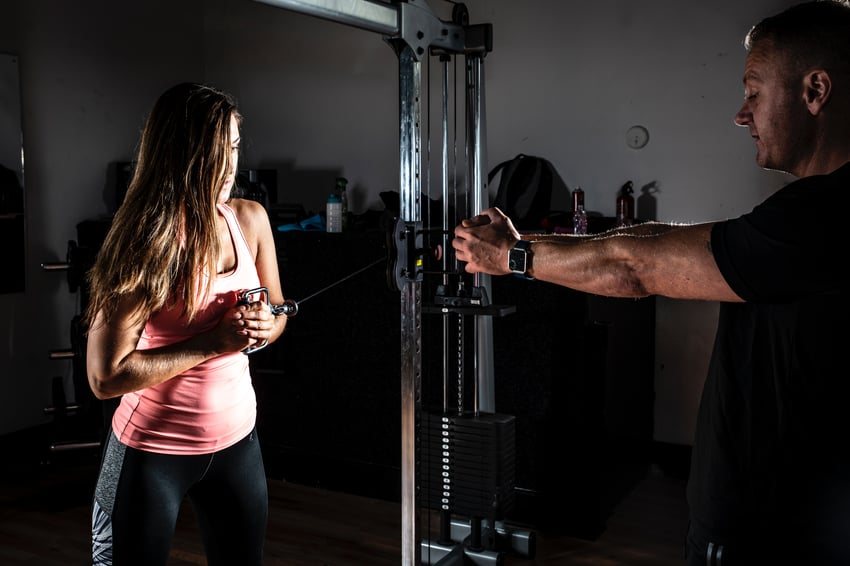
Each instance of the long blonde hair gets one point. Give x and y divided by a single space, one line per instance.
163 238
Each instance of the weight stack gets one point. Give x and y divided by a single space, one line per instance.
470 464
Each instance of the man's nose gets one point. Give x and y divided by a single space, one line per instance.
743 116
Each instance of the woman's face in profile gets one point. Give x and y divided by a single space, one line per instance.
231 165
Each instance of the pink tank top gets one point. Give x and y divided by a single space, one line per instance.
211 406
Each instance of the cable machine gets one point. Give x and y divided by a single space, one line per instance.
456 459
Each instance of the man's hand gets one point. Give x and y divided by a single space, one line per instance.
484 241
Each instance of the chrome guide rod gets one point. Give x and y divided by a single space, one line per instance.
485 396
444 144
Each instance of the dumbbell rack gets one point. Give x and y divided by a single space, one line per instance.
78 424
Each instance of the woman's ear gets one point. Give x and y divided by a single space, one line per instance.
817 90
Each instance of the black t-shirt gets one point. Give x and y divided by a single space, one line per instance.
771 456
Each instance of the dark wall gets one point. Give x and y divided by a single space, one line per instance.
329 389
576 370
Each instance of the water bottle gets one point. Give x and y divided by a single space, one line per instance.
333 213
341 186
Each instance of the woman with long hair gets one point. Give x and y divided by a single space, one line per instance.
167 333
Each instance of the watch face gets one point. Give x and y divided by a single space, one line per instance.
516 261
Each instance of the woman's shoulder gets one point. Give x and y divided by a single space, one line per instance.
252 218
248 211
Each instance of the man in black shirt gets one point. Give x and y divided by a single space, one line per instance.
770 475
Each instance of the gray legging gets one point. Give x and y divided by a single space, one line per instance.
139 494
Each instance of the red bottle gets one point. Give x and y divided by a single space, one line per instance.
625 205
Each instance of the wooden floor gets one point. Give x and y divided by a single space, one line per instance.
44 521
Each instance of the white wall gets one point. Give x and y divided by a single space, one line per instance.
565 80
89 73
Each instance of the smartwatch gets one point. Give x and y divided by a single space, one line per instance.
519 259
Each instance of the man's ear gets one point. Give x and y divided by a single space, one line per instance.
817 90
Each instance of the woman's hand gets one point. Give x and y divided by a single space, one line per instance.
243 326
255 322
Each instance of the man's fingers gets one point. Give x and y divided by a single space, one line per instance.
478 220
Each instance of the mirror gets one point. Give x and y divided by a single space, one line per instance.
12 232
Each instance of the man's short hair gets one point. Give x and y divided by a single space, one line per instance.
811 34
